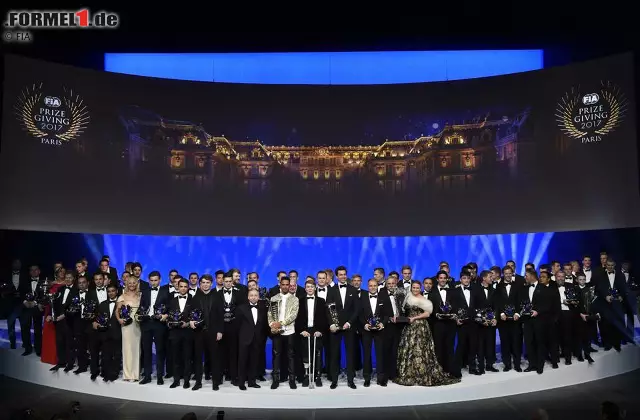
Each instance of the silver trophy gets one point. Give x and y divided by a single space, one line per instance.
335 320
274 309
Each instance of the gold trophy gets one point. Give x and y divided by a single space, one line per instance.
274 309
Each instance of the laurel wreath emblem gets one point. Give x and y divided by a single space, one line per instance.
609 92
31 96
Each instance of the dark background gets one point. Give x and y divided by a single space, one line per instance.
149 201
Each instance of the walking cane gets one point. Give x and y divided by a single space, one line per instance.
311 372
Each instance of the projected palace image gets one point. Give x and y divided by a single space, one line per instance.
449 159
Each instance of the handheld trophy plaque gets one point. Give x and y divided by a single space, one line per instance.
263 293
142 314
175 319
335 319
614 293
462 315
160 310
74 306
125 314
445 311
374 323
103 321
89 310
196 316
509 312
526 309
571 296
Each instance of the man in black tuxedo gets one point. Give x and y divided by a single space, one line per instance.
535 323
31 314
342 302
252 329
11 302
568 318
299 293
611 288
110 272
229 298
154 327
181 334
136 271
312 322
108 341
507 306
516 279
171 289
97 289
375 309
485 301
81 326
588 316
444 326
393 297
210 332
464 303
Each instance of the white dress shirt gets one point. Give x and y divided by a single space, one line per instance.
393 305
531 290
227 296
322 292
112 306
373 302
254 313
587 274
83 296
467 295
34 286
101 294
66 295
15 279
563 297
626 276
182 302
443 293
192 292
507 287
311 306
612 277
343 294
152 301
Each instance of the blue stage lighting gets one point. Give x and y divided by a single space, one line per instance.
307 255
339 68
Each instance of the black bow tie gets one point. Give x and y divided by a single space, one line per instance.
586 269
228 291
112 301
532 285
407 281
321 289
155 289
310 297
82 293
254 305
343 285
182 297
610 272
34 279
16 272
193 288
485 287
443 288
465 287
373 296
99 289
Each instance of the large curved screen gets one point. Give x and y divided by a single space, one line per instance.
87 151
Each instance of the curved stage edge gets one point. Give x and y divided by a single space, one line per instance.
490 385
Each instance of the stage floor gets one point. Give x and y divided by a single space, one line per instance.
607 364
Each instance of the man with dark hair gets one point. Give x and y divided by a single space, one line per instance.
154 328
535 321
229 298
181 334
31 313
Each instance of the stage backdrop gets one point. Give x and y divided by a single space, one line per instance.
87 151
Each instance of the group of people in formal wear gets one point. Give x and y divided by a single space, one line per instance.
214 327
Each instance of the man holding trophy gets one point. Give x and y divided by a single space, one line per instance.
372 315
283 310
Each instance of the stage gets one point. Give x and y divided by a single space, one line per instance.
607 364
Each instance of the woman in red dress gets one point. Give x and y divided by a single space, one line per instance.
49 354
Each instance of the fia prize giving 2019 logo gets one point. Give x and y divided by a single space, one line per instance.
54 118
591 115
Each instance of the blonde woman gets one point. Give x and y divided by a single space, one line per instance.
130 330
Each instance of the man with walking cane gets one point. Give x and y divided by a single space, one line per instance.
312 324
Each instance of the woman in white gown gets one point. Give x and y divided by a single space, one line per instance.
131 334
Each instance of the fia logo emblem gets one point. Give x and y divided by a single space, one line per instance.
52 101
590 99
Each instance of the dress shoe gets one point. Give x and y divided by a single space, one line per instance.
186 385
55 368
275 384
589 359
292 384
207 377
530 369
367 383
261 378
517 369
607 348
215 386
540 371
27 352
254 385
145 380
175 384
242 387
580 359
94 377
554 365
105 379
197 386
334 385
38 353
383 383
234 383
506 368
567 362
491 369
168 376
305 382
351 385
475 372
318 382
617 348
68 369
160 381
79 371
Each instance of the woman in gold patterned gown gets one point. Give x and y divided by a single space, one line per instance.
417 363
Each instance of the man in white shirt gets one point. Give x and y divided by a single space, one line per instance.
282 315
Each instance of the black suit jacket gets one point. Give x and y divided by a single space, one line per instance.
436 299
619 282
347 313
186 313
320 320
543 301
513 298
248 330
163 297
484 300
114 331
459 302
211 309
384 310
25 288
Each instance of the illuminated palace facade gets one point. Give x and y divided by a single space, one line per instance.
451 159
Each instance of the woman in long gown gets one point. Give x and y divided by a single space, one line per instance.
131 334
49 352
417 363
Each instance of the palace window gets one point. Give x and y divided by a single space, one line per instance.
338 173
327 174
304 174
316 174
